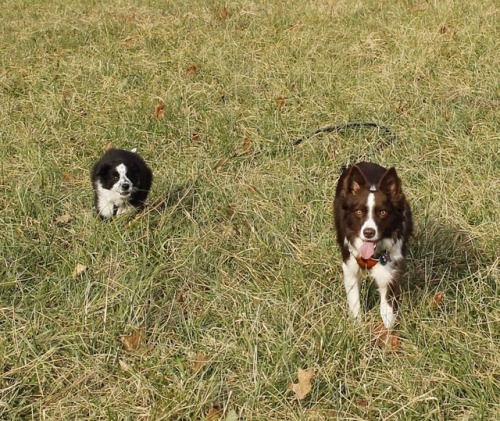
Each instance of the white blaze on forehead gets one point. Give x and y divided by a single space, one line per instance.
122 170
370 221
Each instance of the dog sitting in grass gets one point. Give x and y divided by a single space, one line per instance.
121 181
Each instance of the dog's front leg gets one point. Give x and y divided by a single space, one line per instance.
351 282
388 280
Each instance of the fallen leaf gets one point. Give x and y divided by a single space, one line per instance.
438 300
280 101
179 297
247 146
129 42
252 189
379 334
394 343
107 146
67 176
362 403
382 337
304 386
447 30
65 97
123 365
78 270
133 341
195 137
230 210
191 71
224 13
220 163
199 361
159 110
63 219
213 414
228 229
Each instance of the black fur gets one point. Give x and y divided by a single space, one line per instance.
137 171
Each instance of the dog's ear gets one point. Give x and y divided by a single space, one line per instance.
390 183
354 180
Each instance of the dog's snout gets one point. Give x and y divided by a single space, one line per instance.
125 186
369 233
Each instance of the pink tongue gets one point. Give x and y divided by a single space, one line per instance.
367 249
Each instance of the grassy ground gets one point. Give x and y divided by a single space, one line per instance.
235 284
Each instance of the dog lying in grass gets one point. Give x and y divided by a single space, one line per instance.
121 181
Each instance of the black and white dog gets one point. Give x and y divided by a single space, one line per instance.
121 181
373 222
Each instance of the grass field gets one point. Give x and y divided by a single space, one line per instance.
205 306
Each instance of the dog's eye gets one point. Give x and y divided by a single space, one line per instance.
116 175
382 213
358 212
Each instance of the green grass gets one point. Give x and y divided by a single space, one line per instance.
244 269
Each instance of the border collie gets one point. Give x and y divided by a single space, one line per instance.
121 181
373 222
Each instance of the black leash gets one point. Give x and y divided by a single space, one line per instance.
388 135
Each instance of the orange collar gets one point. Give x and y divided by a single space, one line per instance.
366 263
381 258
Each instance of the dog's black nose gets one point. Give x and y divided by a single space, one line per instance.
369 232
125 186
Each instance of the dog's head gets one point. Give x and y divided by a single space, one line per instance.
118 177
373 202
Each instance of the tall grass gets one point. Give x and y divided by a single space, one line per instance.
235 276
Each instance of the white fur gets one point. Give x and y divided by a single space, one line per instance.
370 221
351 284
118 186
115 198
107 200
383 275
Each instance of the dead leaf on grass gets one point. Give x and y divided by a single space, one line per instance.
247 146
179 297
438 300
447 30
123 365
382 337
159 110
195 137
224 13
280 101
133 341
230 210
379 334
304 386
199 361
63 219
252 189
214 414
394 343
191 71
78 270
220 163
67 176
107 146
129 42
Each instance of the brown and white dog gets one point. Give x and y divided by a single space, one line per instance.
373 222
